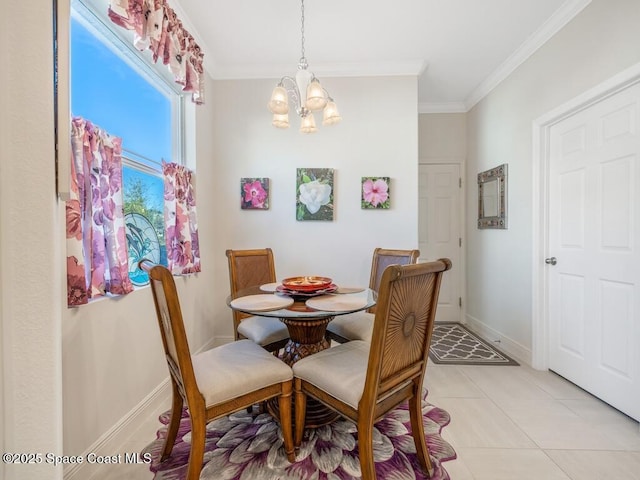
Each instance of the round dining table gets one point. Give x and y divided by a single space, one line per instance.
306 318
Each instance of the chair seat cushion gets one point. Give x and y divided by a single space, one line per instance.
354 326
263 330
339 371
237 368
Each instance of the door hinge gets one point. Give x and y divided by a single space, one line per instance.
460 302
459 182
459 241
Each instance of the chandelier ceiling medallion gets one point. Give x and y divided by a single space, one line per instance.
316 98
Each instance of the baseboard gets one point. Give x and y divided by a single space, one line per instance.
113 439
509 346
222 340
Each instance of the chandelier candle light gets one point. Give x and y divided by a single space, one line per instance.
317 98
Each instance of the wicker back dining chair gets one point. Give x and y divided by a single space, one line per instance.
216 382
249 268
363 381
359 325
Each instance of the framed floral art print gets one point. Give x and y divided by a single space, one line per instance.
314 194
375 192
254 193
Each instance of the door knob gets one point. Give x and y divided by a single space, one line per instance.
551 261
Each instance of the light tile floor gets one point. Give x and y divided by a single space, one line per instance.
507 423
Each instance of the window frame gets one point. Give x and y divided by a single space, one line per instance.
61 41
120 42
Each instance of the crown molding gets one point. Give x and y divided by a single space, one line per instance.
555 23
442 107
243 72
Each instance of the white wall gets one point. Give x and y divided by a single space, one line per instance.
442 137
377 137
30 296
600 42
4 139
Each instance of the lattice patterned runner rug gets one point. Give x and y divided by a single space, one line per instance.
454 344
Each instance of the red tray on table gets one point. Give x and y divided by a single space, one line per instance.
306 286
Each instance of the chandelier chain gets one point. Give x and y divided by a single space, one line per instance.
302 59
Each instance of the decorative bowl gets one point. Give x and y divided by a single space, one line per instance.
306 284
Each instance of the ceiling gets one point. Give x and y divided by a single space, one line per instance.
459 49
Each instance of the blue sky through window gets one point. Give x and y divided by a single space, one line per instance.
110 93
113 95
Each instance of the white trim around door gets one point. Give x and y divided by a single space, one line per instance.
540 176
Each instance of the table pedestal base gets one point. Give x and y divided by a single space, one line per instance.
317 414
307 336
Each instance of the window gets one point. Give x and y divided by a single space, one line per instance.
114 87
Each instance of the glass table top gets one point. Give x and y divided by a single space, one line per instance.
280 305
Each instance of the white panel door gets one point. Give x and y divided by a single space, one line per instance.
594 236
439 231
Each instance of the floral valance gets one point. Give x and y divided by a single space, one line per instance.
157 27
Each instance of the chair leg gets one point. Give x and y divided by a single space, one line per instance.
174 423
417 429
196 455
301 412
365 447
284 402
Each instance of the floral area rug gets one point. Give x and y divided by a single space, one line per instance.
249 447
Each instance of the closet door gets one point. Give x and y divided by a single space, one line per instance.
594 250
439 223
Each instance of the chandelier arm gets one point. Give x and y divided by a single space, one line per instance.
291 87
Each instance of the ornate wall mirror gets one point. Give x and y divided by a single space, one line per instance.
492 198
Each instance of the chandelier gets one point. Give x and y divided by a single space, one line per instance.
317 98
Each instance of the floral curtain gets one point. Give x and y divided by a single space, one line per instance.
96 245
181 224
157 27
